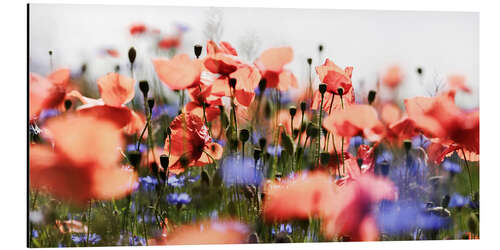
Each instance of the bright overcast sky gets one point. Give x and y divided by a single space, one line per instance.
443 43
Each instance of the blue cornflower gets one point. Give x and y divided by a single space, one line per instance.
283 228
275 151
34 233
133 147
79 238
168 109
451 167
357 141
458 200
239 171
136 241
48 113
175 181
221 142
148 183
420 141
384 156
194 178
175 198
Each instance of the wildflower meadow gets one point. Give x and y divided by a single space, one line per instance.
212 142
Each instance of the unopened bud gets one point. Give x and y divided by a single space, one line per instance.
132 54
144 87
135 158
67 104
244 135
197 50
322 88
371 96
303 106
164 161
151 103
340 91
293 111
309 61
232 82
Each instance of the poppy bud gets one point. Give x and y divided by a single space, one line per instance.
184 161
420 71
322 88
407 145
312 130
283 237
293 111
446 201
83 68
232 82
360 162
151 103
340 91
262 85
67 104
371 96
309 61
253 238
324 158
117 68
50 52
303 106
132 54
244 135
144 87
320 47
257 153
205 179
197 50
262 143
295 133
135 158
164 161
154 168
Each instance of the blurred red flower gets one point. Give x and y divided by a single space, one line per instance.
45 93
392 77
137 29
84 162
170 42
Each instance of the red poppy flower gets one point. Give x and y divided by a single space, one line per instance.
47 92
71 226
403 129
392 77
198 98
113 53
178 73
350 213
206 232
390 113
225 48
300 197
169 42
457 82
440 117
354 120
84 162
137 29
190 144
271 65
335 77
116 89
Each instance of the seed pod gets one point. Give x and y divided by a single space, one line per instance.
151 103
67 104
132 54
135 158
232 82
244 135
144 87
303 106
293 111
371 96
164 161
197 50
309 61
407 145
320 47
322 88
340 91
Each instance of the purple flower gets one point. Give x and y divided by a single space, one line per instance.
239 171
80 238
451 167
458 200
175 198
148 183
275 151
420 141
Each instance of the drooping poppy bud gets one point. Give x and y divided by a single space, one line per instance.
164 161
151 104
293 111
132 54
340 91
322 88
67 104
135 158
232 82
197 50
371 96
303 106
262 143
244 135
144 87
262 85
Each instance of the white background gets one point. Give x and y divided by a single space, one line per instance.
13 62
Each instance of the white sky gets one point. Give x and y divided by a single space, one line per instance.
442 43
